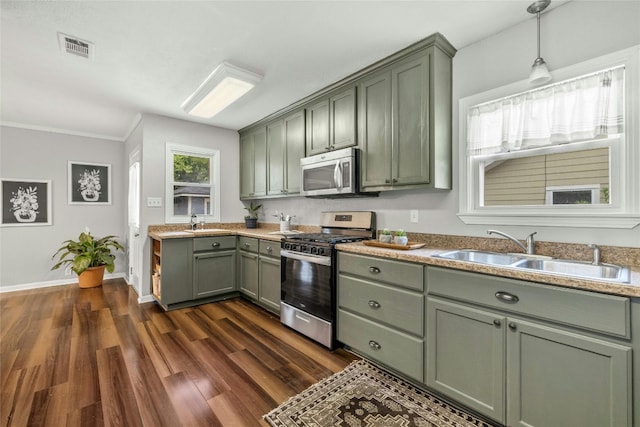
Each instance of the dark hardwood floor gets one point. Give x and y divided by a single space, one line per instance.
93 357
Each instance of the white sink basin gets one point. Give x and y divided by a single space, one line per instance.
206 230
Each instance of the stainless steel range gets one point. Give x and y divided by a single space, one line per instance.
308 302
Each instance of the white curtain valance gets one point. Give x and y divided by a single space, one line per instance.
576 110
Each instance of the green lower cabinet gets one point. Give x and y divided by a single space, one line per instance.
393 348
248 272
465 356
212 275
526 374
559 378
270 283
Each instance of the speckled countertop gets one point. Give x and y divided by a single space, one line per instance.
435 243
425 254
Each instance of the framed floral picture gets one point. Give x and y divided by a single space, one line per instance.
89 183
25 202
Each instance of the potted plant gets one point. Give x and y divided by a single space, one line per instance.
251 220
400 238
88 257
385 236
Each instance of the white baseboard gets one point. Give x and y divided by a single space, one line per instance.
145 298
38 285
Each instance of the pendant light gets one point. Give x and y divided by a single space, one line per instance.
539 71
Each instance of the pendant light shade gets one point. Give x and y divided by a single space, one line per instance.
539 71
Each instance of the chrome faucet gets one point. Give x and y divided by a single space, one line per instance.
529 249
194 221
596 253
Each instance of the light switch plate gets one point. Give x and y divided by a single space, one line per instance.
414 216
154 202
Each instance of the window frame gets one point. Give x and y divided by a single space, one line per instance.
623 212
214 185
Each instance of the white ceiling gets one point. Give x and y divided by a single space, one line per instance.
151 55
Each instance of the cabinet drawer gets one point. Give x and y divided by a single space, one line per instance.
270 248
214 243
384 270
395 349
394 306
248 244
588 310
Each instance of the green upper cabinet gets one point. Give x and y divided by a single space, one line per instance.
285 148
331 122
397 111
404 120
275 158
253 163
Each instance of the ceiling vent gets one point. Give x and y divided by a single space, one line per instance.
75 46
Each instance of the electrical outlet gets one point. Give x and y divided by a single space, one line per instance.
154 202
67 271
414 216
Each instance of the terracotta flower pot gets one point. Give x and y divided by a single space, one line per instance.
91 277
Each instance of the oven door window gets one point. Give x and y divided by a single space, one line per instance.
307 286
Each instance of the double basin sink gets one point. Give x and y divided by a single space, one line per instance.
574 268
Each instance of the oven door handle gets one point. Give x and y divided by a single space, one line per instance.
314 259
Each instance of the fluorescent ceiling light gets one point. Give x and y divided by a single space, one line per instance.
225 85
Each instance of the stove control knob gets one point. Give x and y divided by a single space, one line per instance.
313 250
303 248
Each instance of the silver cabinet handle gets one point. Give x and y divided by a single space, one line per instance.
247 245
374 304
512 326
497 322
374 345
507 297
374 270
215 244
269 249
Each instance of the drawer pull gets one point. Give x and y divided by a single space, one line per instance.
247 245
497 322
374 270
512 326
374 304
507 297
215 244
269 249
374 345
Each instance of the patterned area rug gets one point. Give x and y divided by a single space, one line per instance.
364 396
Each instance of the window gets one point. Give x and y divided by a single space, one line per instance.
192 188
564 154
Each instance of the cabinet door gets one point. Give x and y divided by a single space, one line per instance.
248 271
558 378
270 283
253 164
342 123
465 356
176 266
212 274
275 158
374 117
260 162
410 92
318 127
246 167
294 136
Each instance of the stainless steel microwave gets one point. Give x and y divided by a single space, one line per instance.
331 174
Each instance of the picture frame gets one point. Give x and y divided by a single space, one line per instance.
89 183
25 202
